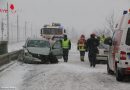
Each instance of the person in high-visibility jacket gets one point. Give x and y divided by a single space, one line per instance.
81 47
66 46
102 39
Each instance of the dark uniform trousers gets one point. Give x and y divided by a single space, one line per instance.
65 54
82 54
92 59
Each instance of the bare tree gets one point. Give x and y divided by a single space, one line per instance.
110 23
108 28
100 31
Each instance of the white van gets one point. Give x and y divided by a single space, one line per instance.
119 51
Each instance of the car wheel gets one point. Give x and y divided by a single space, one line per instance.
45 60
119 76
53 58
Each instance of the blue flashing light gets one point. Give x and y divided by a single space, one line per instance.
125 12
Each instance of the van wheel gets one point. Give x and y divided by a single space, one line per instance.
109 71
119 76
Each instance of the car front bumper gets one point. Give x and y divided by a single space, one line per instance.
30 58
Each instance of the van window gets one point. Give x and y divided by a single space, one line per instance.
128 37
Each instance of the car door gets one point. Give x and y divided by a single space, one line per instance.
57 49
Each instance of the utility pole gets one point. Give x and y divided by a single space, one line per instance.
2 28
25 29
7 22
31 30
17 28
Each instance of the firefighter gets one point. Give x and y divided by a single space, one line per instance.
66 45
81 47
92 44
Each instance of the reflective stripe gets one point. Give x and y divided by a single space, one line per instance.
81 47
65 44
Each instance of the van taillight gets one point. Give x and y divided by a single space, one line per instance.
128 21
123 55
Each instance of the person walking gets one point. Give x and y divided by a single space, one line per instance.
92 44
66 46
81 47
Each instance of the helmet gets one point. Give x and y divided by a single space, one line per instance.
82 36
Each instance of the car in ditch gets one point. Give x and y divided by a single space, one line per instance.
39 49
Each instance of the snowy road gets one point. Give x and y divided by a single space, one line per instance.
74 75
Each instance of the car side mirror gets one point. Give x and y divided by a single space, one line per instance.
108 41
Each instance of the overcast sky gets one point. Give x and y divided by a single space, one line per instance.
83 15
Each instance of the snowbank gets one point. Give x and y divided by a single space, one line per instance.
15 46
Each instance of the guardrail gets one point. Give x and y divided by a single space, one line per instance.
6 58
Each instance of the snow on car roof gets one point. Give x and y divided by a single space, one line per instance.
37 39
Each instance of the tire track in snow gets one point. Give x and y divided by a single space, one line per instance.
74 75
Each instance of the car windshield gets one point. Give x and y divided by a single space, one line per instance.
128 37
38 43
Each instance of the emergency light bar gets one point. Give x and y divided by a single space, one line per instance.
128 21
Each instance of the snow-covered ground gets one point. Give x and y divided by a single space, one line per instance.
15 46
74 75
12 77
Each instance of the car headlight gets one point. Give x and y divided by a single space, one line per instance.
26 52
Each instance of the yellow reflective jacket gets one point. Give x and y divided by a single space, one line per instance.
81 46
65 44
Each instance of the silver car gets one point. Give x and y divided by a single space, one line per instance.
103 53
41 50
